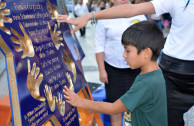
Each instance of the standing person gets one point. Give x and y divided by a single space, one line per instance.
98 8
81 10
102 5
93 6
177 61
146 99
113 70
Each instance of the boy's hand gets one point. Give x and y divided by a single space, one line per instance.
71 97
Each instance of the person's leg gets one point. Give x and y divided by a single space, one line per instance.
179 88
179 98
80 31
83 31
116 120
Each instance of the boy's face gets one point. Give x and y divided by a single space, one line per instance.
133 59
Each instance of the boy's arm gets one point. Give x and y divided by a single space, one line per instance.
95 106
101 67
121 11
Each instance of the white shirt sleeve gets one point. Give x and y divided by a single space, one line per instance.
163 6
100 37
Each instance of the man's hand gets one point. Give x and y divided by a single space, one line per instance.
71 97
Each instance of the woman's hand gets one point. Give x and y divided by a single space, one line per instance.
79 22
104 76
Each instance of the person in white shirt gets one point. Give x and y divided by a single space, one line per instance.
177 62
113 70
80 10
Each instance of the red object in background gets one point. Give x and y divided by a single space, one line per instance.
5 111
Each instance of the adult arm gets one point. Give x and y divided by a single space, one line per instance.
101 67
121 11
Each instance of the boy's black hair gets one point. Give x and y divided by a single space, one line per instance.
145 34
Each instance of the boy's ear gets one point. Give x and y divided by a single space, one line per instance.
148 53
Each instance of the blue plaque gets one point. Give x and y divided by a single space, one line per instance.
42 56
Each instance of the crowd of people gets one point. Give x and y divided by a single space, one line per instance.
158 93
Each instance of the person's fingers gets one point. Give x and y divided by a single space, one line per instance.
68 101
75 29
67 97
65 92
106 81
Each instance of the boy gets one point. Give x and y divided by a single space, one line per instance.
146 99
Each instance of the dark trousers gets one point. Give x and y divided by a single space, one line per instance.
82 31
119 81
179 77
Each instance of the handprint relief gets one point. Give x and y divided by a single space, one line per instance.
71 87
60 104
56 36
51 9
24 42
70 65
33 81
3 13
50 98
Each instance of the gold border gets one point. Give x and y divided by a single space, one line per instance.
54 120
12 82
